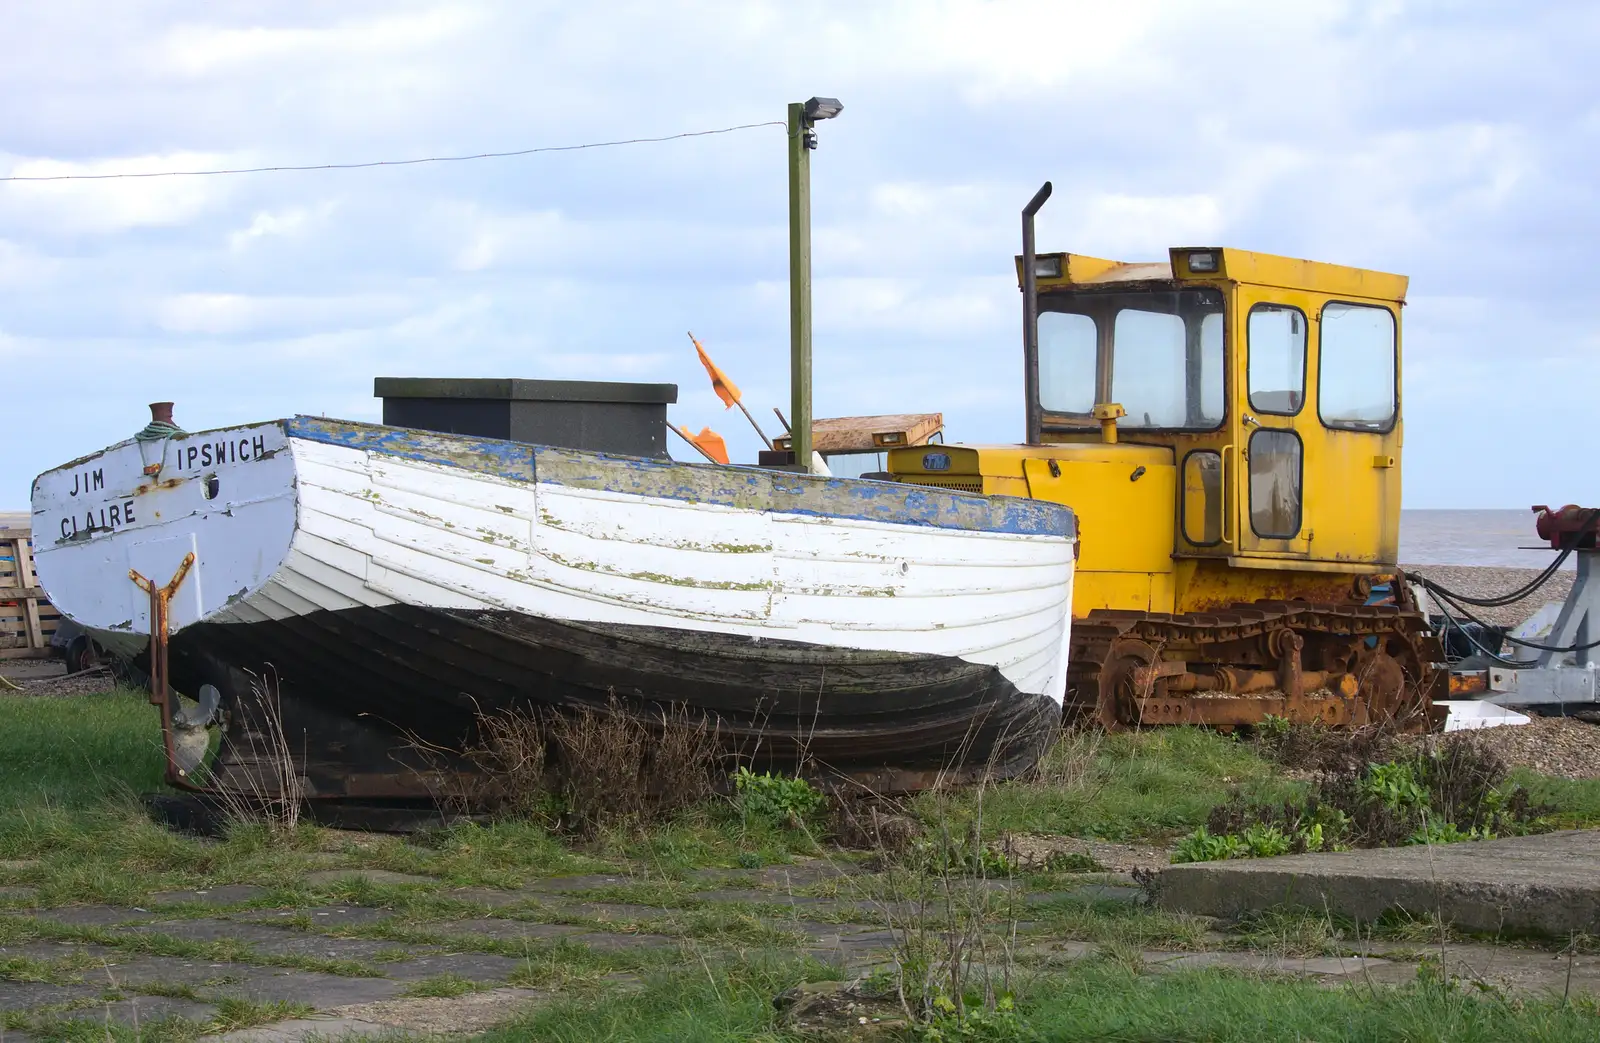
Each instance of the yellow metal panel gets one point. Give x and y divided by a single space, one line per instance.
1075 268
1128 591
1208 584
1005 461
1337 280
1005 487
1125 517
1240 266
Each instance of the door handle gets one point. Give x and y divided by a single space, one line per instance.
1230 467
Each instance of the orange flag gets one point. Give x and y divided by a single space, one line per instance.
726 389
711 444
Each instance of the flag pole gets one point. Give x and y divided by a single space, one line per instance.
727 391
747 416
675 429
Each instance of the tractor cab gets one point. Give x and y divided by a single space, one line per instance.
1212 418
1273 382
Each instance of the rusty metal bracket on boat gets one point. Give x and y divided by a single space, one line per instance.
160 684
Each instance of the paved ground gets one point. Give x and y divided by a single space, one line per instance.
459 961
1542 884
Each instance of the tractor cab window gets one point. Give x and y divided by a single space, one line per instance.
1158 354
1277 346
854 465
1066 362
1357 385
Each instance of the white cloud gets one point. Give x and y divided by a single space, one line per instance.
1349 131
288 222
22 267
202 50
1134 228
108 206
232 313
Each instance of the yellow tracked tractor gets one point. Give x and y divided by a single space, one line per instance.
1227 427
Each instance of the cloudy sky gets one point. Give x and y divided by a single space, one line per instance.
1454 142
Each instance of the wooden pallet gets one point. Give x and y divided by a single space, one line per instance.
26 619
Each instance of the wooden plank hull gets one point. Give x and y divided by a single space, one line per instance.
407 580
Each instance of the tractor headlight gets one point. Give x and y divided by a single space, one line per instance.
1203 261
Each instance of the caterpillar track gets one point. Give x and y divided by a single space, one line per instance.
1345 665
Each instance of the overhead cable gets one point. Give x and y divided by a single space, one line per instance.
394 162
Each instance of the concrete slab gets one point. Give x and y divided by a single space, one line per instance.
463 931
327 917
130 970
444 1016
578 884
473 966
25 995
265 985
298 1029
608 942
1542 885
226 894
94 915
145 1011
273 941
491 897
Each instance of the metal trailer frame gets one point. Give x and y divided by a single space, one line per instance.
1559 677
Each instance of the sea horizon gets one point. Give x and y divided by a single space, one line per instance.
1499 538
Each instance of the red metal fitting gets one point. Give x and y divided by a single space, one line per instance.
1570 525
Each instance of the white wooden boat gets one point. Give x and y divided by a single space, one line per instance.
399 581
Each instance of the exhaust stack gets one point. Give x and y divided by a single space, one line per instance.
1030 320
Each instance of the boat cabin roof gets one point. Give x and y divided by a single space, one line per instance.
859 434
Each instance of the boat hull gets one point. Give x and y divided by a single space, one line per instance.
393 585
895 719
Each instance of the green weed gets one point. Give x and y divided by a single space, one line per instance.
775 800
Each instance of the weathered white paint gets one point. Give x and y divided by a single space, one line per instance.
300 526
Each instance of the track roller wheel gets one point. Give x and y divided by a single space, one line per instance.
1118 706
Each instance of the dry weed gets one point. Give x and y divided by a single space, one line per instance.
601 767
263 783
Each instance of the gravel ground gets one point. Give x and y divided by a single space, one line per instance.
1565 747
98 679
1480 581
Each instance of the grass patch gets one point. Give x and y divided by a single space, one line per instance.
443 986
1106 998
1076 919
76 752
1102 1000
234 1013
15 930
1577 801
88 1028
713 1003
1127 786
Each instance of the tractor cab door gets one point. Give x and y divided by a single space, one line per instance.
1318 429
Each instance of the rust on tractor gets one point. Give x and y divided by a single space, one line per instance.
1339 664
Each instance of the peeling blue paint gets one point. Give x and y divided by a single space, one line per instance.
745 487
487 455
